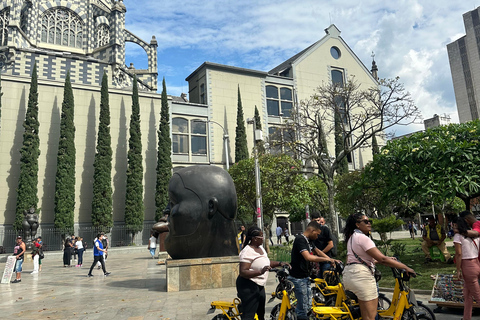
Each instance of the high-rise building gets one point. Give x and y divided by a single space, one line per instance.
464 57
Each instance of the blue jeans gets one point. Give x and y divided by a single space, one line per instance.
324 266
152 251
303 293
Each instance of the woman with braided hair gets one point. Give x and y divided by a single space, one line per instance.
362 255
254 264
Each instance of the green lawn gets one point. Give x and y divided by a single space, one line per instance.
413 257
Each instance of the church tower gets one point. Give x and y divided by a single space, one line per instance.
86 38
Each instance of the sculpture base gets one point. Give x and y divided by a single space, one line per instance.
202 273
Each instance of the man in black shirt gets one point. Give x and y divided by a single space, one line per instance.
324 243
302 253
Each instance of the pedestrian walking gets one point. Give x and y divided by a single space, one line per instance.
79 248
67 252
152 245
19 251
36 256
286 234
98 252
279 232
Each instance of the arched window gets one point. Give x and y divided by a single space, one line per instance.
180 135
62 27
4 17
103 35
24 16
279 105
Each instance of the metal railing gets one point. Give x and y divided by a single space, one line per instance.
54 239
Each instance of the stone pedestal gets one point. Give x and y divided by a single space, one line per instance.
203 273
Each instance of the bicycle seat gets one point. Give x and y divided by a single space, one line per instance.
351 295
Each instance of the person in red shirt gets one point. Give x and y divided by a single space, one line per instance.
472 222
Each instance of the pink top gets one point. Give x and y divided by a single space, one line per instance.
469 250
360 243
476 226
258 261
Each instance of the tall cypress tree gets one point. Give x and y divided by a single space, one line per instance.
65 177
339 144
29 153
164 157
134 210
375 148
258 126
102 177
241 147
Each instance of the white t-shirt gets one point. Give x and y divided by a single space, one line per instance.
79 244
258 261
469 250
360 243
153 242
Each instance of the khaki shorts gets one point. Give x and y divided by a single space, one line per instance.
359 279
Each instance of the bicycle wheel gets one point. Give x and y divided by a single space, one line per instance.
409 314
424 312
220 317
291 315
383 303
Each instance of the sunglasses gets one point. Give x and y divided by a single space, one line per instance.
258 237
366 221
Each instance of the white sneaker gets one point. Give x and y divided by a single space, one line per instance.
34 272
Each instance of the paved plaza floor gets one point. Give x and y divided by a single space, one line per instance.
136 289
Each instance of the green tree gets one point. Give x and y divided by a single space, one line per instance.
375 148
340 144
65 176
164 158
383 226
367 112
284 187
29 153
431 166
241 147
258 126
102 177
134 210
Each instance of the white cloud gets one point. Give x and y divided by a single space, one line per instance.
409 37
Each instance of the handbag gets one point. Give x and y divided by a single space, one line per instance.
377 274
40 254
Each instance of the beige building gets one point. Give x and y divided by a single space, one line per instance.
90 43
274 93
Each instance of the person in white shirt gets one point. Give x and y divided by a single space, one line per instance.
152 245
80 249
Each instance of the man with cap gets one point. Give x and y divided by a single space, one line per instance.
18 251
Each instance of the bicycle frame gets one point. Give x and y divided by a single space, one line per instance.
403 299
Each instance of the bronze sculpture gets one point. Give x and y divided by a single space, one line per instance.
203 204
30 226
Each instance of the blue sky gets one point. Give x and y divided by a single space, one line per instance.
408 37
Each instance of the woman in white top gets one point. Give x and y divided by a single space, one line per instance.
80 249
362 254
152 245
468 266
254 264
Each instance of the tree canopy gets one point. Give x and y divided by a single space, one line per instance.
437 164
284 187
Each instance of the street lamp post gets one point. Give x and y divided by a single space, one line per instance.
258 190
225 141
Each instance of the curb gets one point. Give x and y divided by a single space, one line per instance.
428 292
